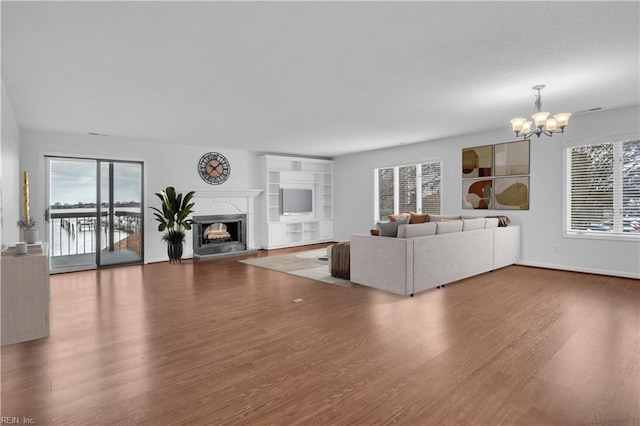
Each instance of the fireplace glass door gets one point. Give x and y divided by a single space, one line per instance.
219 234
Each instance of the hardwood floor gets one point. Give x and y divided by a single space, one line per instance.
221 342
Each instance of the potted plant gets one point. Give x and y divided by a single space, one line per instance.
28 226
174 220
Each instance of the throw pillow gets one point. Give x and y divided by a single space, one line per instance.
419 217
390 229
394 217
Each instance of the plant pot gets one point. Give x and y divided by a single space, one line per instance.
31 236
175 252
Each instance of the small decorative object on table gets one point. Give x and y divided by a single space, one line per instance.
28 226
27 223
21 249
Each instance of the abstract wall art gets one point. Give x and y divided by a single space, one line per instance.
477 194
496 176
477 161
511 193
511 158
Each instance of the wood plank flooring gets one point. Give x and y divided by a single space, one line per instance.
221 342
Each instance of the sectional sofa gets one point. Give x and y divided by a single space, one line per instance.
428 255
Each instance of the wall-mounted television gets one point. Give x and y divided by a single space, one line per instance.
296 201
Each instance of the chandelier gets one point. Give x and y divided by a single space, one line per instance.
543 125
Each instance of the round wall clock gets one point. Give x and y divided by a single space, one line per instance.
214 168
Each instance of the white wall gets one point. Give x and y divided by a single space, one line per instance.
164 164
172 164
541 225
10 175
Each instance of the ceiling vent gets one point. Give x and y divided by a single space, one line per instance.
587 111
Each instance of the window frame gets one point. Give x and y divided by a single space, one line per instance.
616 139
396 184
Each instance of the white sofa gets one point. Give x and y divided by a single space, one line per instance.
433 254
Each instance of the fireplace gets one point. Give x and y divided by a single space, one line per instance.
219 234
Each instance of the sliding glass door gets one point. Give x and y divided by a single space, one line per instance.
120 210
95 213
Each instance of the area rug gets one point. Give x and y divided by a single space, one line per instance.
302 264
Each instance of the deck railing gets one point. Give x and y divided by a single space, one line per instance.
76 233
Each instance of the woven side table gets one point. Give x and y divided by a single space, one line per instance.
25 295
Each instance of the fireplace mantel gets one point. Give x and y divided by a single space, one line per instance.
225 193
221 201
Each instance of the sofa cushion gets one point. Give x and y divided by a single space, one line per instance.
491 222
447 227
417 230
419 217
438 217
473 224
390 229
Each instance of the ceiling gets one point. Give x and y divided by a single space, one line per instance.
311 78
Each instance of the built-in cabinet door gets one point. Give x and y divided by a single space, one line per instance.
276 234
325 229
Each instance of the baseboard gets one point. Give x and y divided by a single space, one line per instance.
578 269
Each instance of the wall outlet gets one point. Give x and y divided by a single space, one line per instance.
556 248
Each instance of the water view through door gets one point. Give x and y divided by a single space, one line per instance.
95 213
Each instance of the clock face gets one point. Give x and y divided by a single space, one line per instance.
214 168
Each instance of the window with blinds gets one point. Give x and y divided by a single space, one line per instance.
603 188
408 188
385 204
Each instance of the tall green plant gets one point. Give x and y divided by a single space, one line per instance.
174 216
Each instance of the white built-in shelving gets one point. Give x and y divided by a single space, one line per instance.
302 173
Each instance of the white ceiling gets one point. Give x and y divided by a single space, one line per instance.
311 78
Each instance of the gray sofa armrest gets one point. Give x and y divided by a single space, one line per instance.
382 262
506 246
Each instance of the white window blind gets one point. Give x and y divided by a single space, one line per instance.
631 181
407 188
604 188
431 177
385 185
